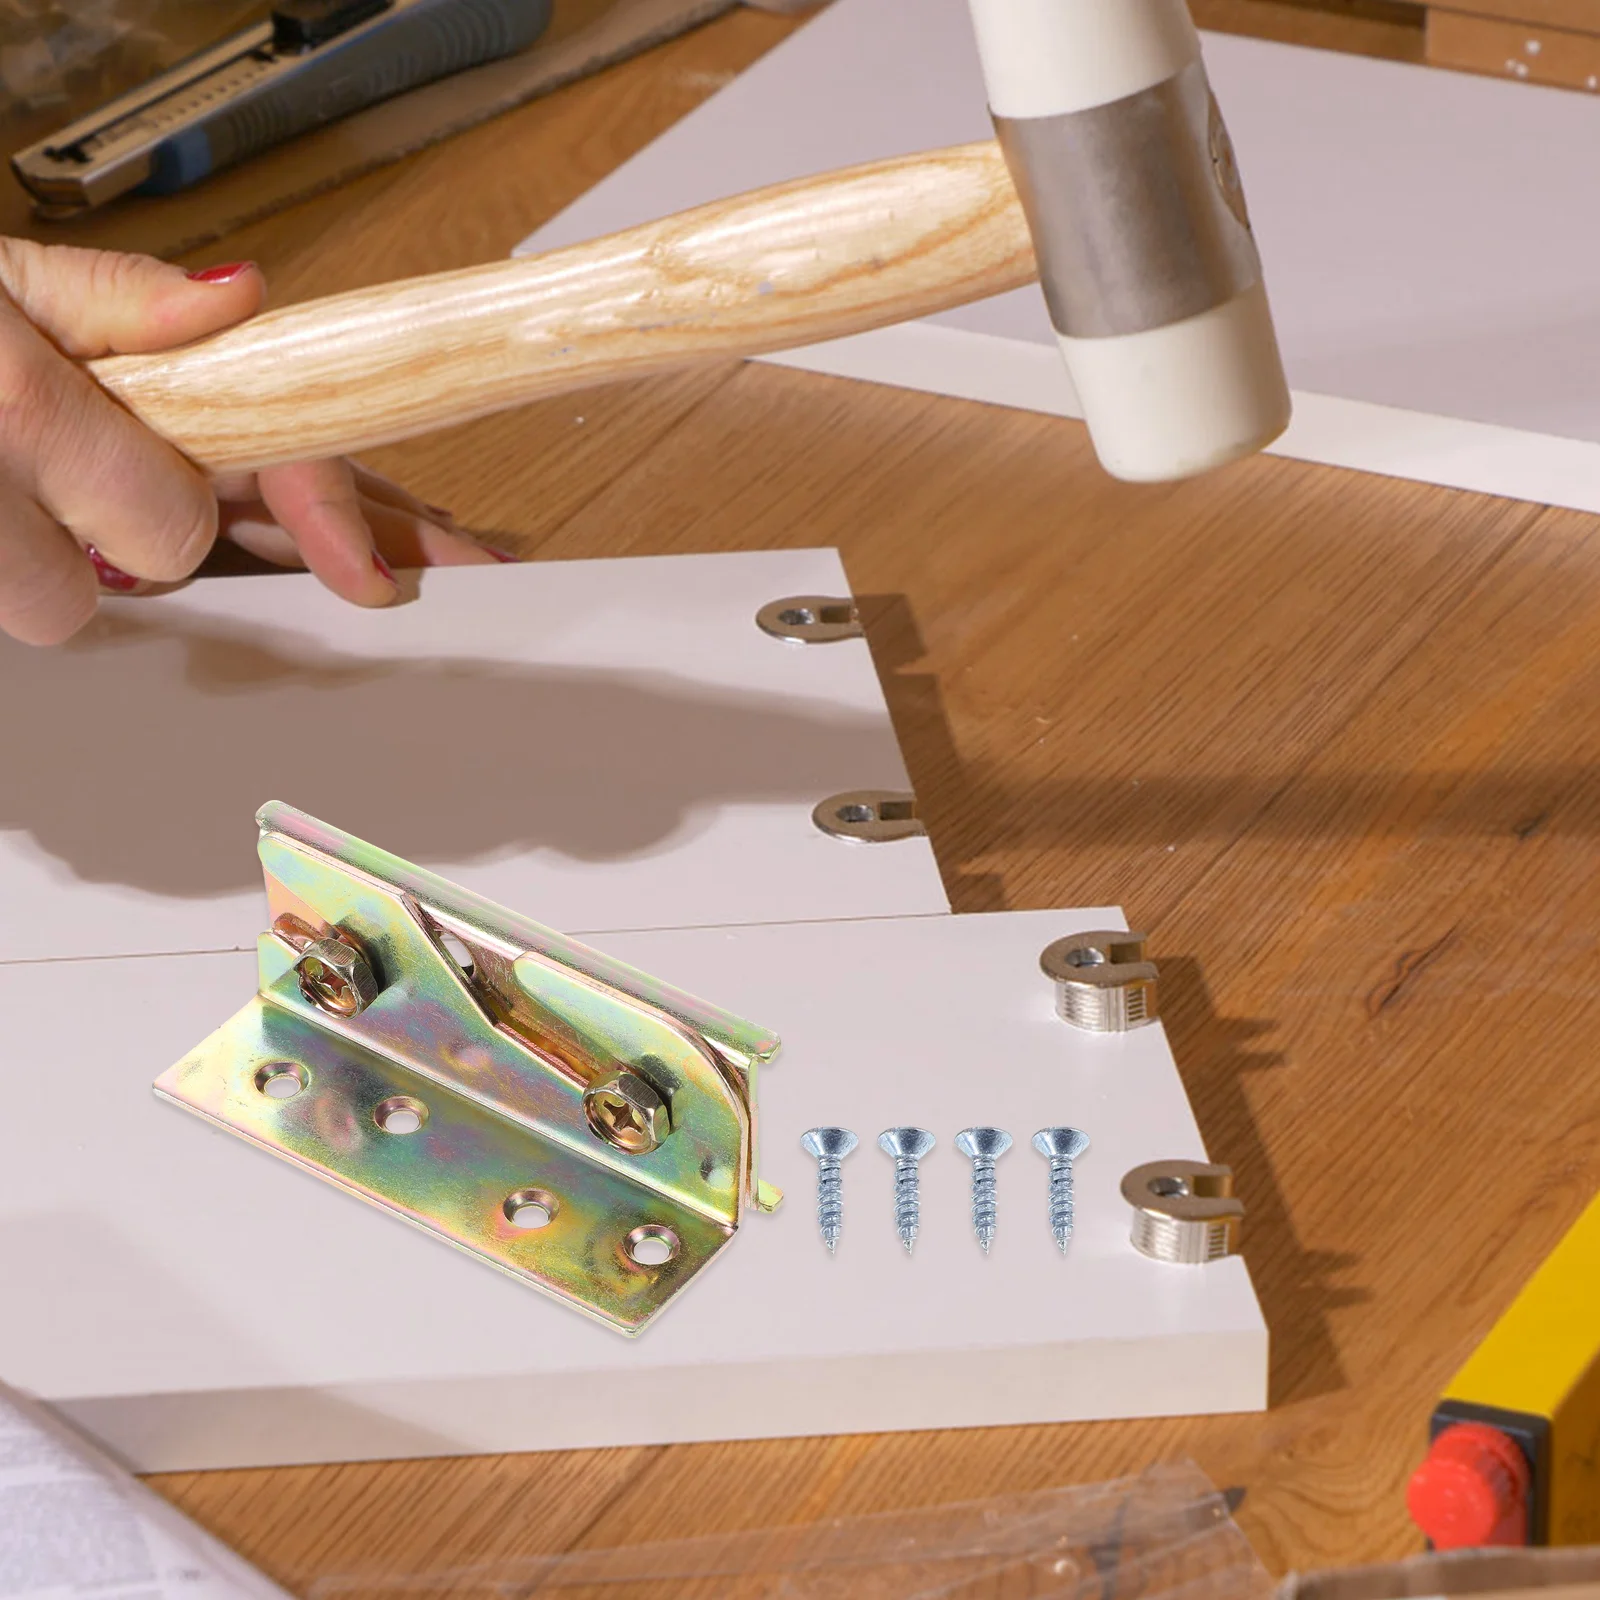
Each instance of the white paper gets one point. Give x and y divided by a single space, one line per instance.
1429 238
73 1524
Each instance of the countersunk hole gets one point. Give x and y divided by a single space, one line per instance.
884 811
1086 956
282 1080
458 952
1169 1186
530 1208
400 1114
797 617
653 1245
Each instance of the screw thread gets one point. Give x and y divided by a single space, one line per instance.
984 1206
830 1200
907 1205
1061 1200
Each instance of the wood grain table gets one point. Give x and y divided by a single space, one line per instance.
1332 739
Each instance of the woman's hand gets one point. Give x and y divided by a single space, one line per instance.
91 497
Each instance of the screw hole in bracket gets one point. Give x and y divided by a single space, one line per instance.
528 1209
281 1080
651 1245
400 1114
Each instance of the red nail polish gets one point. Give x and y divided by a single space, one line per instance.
503 555
383 567
113 578
226 273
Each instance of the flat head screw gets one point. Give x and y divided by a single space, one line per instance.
830 1146
1061 1147
983 1147
908 1146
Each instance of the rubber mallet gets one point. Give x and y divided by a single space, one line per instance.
1126 177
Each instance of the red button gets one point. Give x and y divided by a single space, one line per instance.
1472 1489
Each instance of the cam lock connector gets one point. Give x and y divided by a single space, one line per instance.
551 1111
1103 982
1184 1212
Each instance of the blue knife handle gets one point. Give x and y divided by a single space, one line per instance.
415 45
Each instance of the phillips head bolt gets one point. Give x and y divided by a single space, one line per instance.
908 1146
983 1147
830 1146
1061 1147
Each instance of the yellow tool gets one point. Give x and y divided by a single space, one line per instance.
1515 1457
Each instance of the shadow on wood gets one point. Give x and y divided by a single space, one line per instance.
1217 1057
916 707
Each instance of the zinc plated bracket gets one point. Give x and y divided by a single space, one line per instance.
551 1111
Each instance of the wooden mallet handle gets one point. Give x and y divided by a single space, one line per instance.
801 262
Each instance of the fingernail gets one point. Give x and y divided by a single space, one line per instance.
226 273
384 568
440 513
110 577
503 555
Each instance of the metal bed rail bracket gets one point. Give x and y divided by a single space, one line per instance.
555 1113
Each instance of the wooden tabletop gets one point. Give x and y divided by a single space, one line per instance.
1330 738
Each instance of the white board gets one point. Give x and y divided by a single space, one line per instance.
194 1302
1429 238
596 744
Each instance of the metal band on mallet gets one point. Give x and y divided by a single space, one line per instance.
1132 195
1136 210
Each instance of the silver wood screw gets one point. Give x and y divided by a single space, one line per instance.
1061 1146
908 1146
830 1146
983 1147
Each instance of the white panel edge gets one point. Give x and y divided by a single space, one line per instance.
1190 1375
1449 452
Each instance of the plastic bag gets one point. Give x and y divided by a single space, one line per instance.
1164 1535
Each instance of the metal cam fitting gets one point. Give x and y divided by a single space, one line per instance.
811 619
336 978
1184 1212
626 1112
1103 982
869 816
